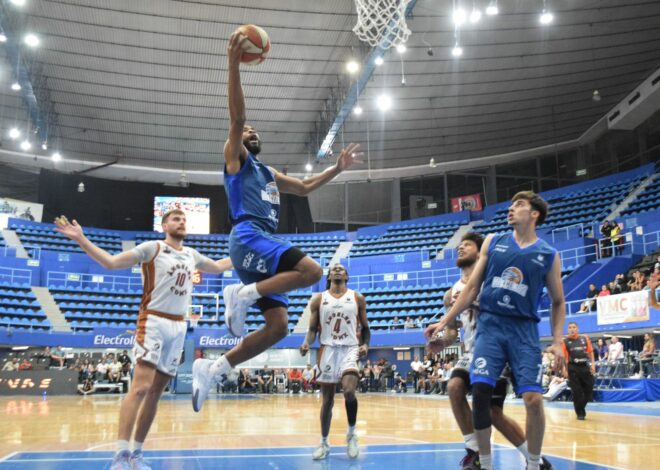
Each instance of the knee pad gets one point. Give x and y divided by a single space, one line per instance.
481 396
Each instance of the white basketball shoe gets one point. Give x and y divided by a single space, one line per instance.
235 309
202 382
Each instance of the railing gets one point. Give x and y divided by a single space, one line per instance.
398 279
567 228
98 281
572 308
15 276
650 242
11 251
574 257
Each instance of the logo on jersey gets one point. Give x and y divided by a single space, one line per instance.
511 279
261 266
247 261
479 366
539 260
270 193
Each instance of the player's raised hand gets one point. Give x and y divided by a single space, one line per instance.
304 348
558 351
434 330
350 155
653 282
235 48
69 229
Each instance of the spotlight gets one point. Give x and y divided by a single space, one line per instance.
31 40
44 146
308 167
352 66
14 133
596 95
457 51
475 16
26 145
429 52
56 157
18 3
459 16
384 102
546 17
81 187
401 48
378 60
492 9
432 163
3 37
357 110
16 86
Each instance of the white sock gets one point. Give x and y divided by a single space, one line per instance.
249 292
121 445
471 442
324 440
486 462
219 367
137 446
523 450
533 462
351 430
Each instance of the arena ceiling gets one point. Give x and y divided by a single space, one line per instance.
144 82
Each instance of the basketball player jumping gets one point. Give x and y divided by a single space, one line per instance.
514 267
267 266
459 382
167 276
337 313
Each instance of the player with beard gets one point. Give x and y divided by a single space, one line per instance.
167 276
335 316
459 382
267 266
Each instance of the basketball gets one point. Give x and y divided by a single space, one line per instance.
257 45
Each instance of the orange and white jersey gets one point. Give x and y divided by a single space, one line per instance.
467 317
167 276
338 319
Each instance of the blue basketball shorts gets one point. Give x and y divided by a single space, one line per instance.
514 340
256 254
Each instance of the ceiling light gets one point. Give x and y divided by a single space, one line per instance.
379 60
401 48
457 51
26 145
56 157
31 40
492 9
459 16
357 110
384 102
81 187
308 167
44 146
3 37
432 163
352 66
546 17
16 86
18 3
14 133
596 95
475 16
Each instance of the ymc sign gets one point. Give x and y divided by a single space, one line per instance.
623 308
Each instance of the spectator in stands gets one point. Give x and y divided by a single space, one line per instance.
229 384
617 238
25 365
614 288
615 350
114 371
638 282
11 366
125 361
652 283
246 384
58 357
308 377
295 380
265 379
386 374
622 282
417 370
657 264
589 305
409 323
400 384
645 357
280 382
102 371
606 244
444 377
395 323
604 291
602 350
419 322
556 386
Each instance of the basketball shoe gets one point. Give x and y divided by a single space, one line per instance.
137 461
545 464
470 461
201 383
235 309
352 448
121 461
321 452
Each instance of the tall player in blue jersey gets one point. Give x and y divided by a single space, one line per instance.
267 266
513 269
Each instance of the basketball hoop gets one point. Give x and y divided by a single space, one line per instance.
382 22
193 319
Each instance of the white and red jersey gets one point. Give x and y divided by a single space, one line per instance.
167 276
467 317
338 319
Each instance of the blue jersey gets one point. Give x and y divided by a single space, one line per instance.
252 195
515 277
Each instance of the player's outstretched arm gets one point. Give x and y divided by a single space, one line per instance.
73 231
314 306
287 184
215 267
468 294
365 333
558 317
234 148
450 333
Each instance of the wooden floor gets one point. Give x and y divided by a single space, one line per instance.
620 440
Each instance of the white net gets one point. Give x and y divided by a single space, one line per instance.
382 22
